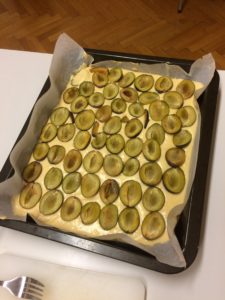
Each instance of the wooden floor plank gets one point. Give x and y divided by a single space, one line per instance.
138 26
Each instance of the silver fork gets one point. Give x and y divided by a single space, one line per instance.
24 287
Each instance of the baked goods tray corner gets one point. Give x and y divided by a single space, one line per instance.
188 228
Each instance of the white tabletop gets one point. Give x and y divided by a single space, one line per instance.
22 75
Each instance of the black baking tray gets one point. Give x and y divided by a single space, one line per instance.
188 228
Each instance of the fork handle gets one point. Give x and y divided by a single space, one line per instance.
1 283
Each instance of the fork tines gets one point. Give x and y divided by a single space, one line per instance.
33 289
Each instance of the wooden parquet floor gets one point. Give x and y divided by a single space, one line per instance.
151 27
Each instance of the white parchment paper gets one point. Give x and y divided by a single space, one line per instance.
68 58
